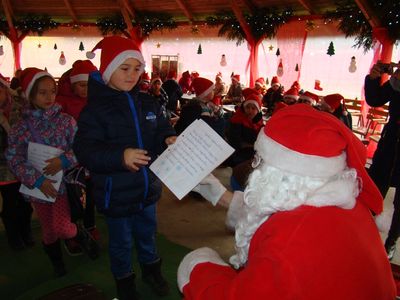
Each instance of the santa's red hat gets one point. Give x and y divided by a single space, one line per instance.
292 93
260 81
310 97
303 141
236 77
333 100
202 86
80 70
4 81
114 51
275 81
252 96
28 78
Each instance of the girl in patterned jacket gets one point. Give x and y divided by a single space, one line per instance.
42 122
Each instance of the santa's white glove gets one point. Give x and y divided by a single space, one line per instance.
193 258
210 188
235 210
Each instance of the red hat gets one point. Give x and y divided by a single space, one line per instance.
333 100
145 77
296 85
252 97
300 136
28 78
195 74
114 51
236 77
4 81
292 93
310 97
275 81
260 81
202 86
80 70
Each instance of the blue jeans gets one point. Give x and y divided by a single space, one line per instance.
139 228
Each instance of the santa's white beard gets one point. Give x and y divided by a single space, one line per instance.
270 190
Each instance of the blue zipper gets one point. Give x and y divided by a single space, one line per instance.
108 191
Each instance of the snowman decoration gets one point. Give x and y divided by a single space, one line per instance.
353 67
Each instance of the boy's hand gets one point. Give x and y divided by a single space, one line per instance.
135 158
170 140
54 165
47 188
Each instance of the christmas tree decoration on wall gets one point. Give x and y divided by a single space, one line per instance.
55 47
297 68
62 59
331 49
279 71
317 85
199 50
353 66
81 47
223 61
278 52
266 81
1 50
39 45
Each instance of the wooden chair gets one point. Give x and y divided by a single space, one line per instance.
376 118
354 106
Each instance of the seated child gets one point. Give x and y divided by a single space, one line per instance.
334 104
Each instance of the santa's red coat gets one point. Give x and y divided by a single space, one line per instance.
308 253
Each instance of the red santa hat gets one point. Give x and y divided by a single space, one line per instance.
145 78
236 77
114 51
251 96
296 85
275 81
300 136
195 74
4 81
202 86
80 70
310 97
260 81
292 93
28 78
333 100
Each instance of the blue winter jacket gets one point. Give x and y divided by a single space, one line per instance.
106 127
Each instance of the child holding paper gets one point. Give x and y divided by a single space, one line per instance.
120 132
42 122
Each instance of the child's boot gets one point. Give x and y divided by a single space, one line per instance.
151 274
126 288
54 252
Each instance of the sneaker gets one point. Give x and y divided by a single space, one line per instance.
391 251
72 247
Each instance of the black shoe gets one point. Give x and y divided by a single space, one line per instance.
126 288
54 252
87 243
151 274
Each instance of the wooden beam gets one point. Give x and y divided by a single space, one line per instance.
8 12
368 13
71 11
129 8
186 11
306 4
242 21
125 15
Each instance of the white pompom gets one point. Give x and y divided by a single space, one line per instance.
90 54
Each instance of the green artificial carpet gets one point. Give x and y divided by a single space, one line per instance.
28 274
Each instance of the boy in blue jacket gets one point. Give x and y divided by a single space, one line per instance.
120 132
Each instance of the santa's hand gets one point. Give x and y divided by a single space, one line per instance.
193 258
210 188
235 210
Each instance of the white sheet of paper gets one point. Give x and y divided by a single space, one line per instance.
197 152
37 155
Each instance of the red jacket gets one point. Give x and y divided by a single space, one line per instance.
309 253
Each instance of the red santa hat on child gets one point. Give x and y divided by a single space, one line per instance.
202 86
300 136
310 97
296 85
333 100
236 77
28 78
260 81
251 96
275 81
145 78
80 70
292 93
114 51
4 81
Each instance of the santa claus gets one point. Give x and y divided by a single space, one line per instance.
304 227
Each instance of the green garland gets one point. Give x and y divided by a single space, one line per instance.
147 21
353 23
29 24
263 24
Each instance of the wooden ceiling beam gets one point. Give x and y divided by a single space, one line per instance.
71 11
186 11
8 12
242 21
129 8
249 5
125 15
368 13
307 5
